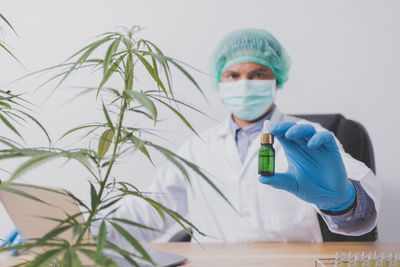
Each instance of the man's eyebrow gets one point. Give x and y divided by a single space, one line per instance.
260 69
230 71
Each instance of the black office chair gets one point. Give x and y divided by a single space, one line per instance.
355 140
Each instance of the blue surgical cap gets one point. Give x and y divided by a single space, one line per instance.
250 45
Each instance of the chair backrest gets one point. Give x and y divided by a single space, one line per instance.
355 140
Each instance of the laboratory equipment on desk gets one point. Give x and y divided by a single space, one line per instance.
376 259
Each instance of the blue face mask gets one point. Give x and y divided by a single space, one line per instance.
248 99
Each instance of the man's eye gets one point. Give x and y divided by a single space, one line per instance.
260 75
233 76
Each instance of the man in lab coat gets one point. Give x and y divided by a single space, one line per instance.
313 173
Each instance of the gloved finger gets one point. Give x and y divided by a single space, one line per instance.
300 133
325 139
292 149
283 181
17 241
13 236
10 238
280 128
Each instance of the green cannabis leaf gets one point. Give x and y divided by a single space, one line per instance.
124 53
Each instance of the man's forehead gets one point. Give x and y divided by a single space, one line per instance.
247 66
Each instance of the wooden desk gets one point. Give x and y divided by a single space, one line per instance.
255 254
265 254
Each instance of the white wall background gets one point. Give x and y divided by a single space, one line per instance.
345 54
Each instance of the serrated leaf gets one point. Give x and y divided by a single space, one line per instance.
9 125
179 115
163 61
186 73
109 204
79 128
101 238
6 105
141 146
181 103
23 194
145 102
128 237
109 54
9 142
80 202
105 142
98 259
89 50
55 232
172 158
44 259
71 259
159 211
125 221
109 72
127 255
141 112
176 216
129 72
77 230
29 164
194 167
38 124
93 196
109 122
41 188
151 71
8 23
9 52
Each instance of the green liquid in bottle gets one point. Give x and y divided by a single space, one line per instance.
385 263
345 263
266 160
397 263
358 264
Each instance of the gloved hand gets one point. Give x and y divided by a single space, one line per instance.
12 239
316 172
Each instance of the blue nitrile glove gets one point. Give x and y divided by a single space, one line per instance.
12 239
316 172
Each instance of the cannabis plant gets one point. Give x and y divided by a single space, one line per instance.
124 52
2 44
15 112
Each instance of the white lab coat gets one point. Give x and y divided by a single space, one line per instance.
261 213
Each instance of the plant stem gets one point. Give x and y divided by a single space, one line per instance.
104 182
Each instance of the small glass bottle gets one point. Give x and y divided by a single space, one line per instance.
372 260
266 154
397 260
386 259
359 260
345 260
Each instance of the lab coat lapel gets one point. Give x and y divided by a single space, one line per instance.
235 157
234 160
